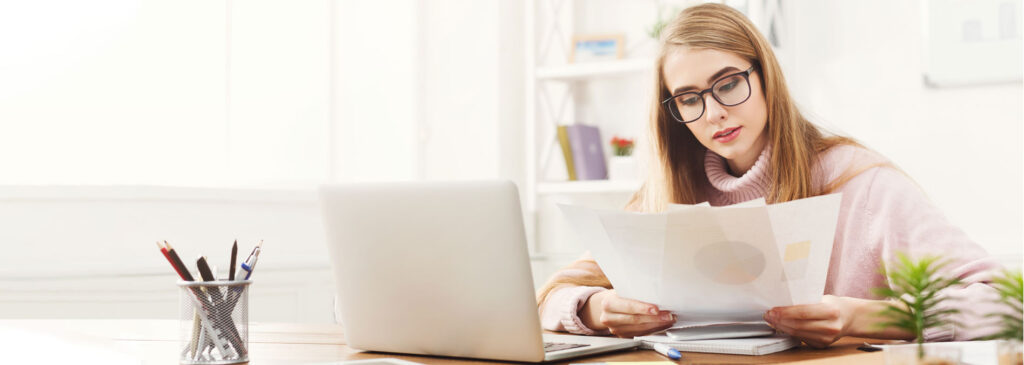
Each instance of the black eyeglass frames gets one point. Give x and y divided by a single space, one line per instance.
730 90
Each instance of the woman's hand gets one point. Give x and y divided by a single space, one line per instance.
623 317
819 325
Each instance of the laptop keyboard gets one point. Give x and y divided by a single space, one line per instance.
555 346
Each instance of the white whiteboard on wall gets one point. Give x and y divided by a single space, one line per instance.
970 42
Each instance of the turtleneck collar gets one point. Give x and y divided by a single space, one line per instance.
752 185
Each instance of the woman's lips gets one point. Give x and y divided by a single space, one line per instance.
730 135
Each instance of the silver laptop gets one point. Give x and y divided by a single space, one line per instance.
440 269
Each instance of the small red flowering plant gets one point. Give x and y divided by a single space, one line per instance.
622 146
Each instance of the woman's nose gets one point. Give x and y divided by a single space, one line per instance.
715 112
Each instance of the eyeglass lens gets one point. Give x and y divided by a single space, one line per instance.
729 91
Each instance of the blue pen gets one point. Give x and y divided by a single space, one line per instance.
669 352
250 263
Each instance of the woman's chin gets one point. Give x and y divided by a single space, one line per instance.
728 152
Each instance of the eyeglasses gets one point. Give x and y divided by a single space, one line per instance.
730 90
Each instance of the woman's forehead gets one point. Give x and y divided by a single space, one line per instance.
686 66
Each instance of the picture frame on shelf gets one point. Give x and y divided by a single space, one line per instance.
597 47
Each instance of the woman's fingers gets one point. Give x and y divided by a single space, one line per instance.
629 331
819 325
620 319
823 327
803 312
627 317
629 306
816 333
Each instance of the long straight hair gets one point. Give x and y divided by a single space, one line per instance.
676 157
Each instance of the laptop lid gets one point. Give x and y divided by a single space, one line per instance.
433 269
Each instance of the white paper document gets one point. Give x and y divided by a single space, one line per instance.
714 264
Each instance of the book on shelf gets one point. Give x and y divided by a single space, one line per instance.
563 140
587 152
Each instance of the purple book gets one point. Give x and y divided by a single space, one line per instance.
587 154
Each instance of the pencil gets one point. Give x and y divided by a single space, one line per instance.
195 315
185 274
167 256
234 255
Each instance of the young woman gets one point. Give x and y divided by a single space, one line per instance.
725 130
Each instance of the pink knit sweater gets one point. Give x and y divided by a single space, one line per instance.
882 212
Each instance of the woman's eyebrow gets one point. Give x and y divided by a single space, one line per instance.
716 75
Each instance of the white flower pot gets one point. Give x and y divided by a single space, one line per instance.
623 168
934 354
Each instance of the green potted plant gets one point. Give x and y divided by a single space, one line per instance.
914 291
1012 334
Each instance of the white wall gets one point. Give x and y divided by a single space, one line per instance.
278 121
427 90
472 92
858 68
90 252
376 89
195 93
80 75
267 93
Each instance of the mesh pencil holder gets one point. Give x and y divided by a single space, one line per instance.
214 322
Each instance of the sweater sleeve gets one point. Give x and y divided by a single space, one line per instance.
904 220
559 307
561 311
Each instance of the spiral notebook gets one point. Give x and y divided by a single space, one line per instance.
735 346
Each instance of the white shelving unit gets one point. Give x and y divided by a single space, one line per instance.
553 89
584 71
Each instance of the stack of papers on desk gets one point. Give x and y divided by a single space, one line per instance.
734 346
714 265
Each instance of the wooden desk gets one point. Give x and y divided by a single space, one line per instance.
156 342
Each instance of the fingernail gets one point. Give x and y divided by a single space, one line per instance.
666 316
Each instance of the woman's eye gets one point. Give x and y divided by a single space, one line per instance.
690 100
729 85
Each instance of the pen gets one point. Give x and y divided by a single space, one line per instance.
867 347
668 351
234 256
248 266
207 275
204 269
218 306
198 294
250 263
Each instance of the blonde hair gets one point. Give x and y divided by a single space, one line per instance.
676 157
